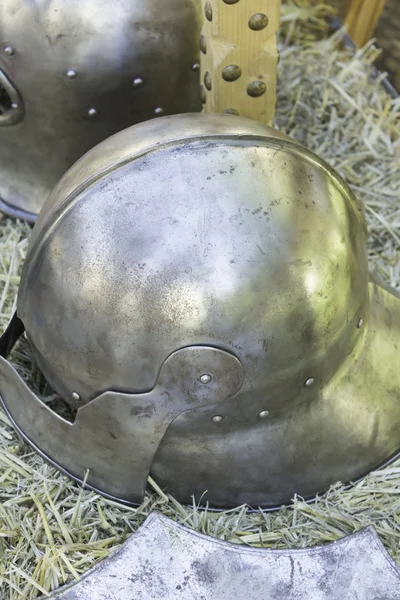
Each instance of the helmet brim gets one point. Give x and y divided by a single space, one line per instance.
351 427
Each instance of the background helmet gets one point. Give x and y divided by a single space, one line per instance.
73 72
197 289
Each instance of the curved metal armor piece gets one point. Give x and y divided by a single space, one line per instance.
73 72
197 288
166 560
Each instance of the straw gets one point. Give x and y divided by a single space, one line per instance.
51 529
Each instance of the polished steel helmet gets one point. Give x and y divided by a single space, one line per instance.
197 290
73 72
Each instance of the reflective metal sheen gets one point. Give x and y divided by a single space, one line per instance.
217 233
166 560
71 64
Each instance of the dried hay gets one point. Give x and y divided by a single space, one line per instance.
51 530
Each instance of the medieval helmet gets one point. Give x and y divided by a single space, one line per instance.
73 72
197 289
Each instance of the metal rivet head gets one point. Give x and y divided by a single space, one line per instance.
9 50
360 323
92 112
231 111
76 396
159 111
263 414
14 105
207 81
309 382
217 419
137 82
203 44
196 67
206 378
208 10
231 72
258 21
71 74
256 89
202 94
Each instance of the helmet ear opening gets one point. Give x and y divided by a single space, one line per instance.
5 100
11 105
11 337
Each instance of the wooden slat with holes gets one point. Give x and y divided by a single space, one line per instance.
239 57
360 18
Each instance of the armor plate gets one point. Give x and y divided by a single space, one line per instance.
197 289
166 560
73 72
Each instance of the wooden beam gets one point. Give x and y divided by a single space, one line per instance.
239 57
360 18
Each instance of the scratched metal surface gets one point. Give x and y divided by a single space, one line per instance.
167 561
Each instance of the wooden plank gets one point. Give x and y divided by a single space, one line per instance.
360 18
239 57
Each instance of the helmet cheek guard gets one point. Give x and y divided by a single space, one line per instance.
197 290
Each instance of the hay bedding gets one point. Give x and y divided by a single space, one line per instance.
52 530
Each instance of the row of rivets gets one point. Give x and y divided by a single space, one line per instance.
261 415
92 112
257 22
207 378
255 89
